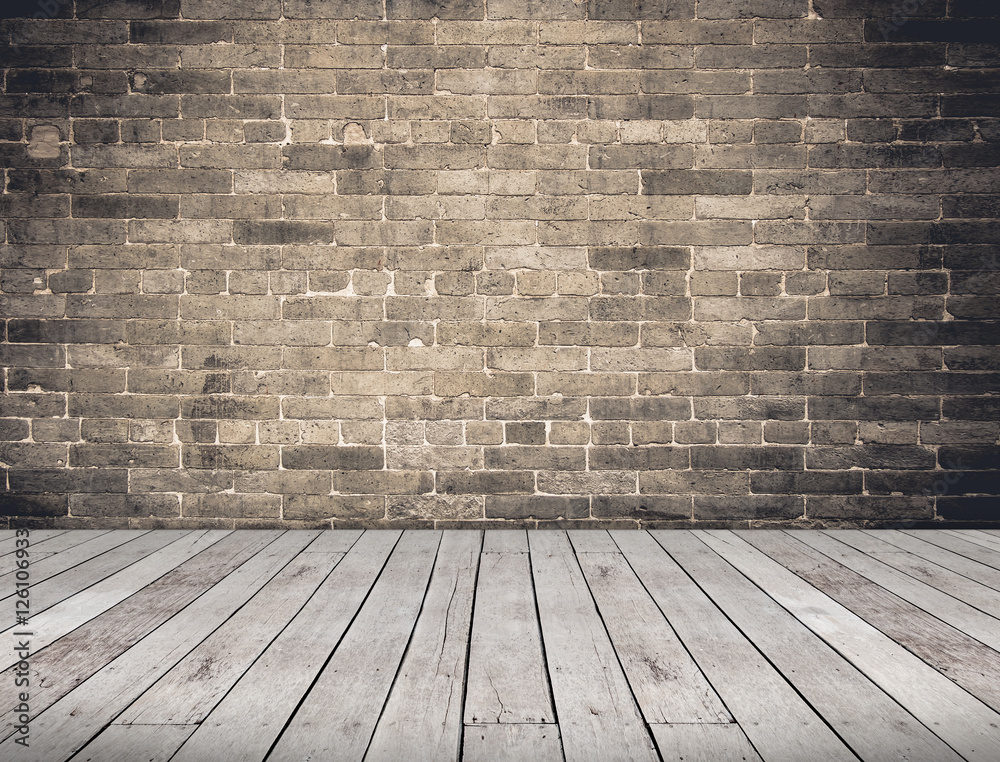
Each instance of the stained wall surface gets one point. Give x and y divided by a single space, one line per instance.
513 262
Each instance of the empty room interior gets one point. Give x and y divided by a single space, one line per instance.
500 380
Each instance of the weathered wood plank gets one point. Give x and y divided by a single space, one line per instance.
245 724
927 571
507 681
986 539
959 719
779 723
422 719
958 545
334 541
74 720
666 682
703 743
338 716
512 742
45 542
962 659
598 716
868 721
957 613
63 586
135 743
186 694
969 569
592 541
87 548
505 541
36 537
53 623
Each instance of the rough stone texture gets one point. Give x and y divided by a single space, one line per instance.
497 263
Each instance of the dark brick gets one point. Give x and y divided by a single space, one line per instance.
338 458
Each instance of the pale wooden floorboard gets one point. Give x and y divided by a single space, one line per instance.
776 719
67 663
247 722
597 713
865 717
189 691
964 660
961 721
512 742
36 537
943 557
45 543
703 743
63 559
514 688
55 621
338 716
986 539
958 544
61 587
74 720
666 682
968 619
254 645
135 743
930 572
422 719
505 541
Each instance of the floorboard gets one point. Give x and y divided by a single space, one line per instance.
505 645
340 712
514 689
249 720
964 660
861 713
961 720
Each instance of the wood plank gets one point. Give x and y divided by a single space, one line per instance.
135 743
959 614
985 539
51 624
86 549
507 680
778 722
703 743
505 541
245 724
868 721
422 719
35 537
334 541
598 716
186 694
959 719
76 656
958 545
74 720
63 586
511 742
592 541
666 682
43 542
338 716
962 659
955 562
933 574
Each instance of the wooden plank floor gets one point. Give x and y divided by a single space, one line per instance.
585 646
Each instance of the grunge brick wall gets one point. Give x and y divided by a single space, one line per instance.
523 262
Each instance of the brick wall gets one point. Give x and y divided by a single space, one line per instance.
521 262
